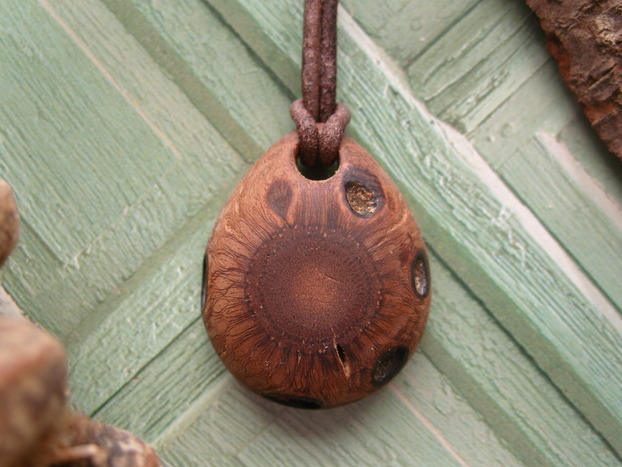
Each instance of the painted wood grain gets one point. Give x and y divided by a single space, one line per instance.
111 405
476 64
190 44
571 204
152 313
406 28
500 49
131 288
144 223
498 377
55 143
494 242
590 152
371 433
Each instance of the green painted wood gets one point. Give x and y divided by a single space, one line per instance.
242 428
485 57
406 28
541 103
189 43
139 355
58 297
591 153
499 379
493 241
571 203
463 85
168 386
62 77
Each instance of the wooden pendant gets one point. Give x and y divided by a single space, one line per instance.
315 292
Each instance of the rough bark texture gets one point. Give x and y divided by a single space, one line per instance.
317 291
36 428
9 221
84 442
585 37
32 388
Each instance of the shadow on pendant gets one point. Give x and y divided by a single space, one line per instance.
322 425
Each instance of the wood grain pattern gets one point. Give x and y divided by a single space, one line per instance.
584 39
316 291
206 86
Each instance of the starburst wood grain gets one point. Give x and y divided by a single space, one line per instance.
317 291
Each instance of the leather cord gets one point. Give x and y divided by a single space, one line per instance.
319 87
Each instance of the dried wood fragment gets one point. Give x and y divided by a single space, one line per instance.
9 221
585 37
36 427
32 388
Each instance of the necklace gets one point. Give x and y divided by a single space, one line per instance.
316 284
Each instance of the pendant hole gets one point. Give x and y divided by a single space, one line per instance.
319 172
389 364
421 275
297 402
362 200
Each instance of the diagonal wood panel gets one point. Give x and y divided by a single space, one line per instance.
139 355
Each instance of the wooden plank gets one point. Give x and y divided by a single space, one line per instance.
189 46
517 400
140 368
480 61
351 436
500 248
541 100
43 65
58 295
239 427
403 28
152 312
542 103
591 153
168 386
499 379
112 404
431 395
162 391
571 204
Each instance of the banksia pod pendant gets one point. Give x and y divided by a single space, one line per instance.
316 284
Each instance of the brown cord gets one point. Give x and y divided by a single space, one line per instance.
319 87
328 60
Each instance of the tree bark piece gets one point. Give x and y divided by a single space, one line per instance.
9 221
585 37
33 376
36 427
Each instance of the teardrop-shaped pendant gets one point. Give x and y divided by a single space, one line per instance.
316 292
